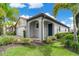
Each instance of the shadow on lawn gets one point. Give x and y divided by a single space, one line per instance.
72 50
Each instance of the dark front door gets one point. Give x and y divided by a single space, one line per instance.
24 33
49 29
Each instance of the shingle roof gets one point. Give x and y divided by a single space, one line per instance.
48 17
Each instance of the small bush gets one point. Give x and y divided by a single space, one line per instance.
10 33
78 38
75 47
53 37
6 40
67 40
78 32
12 39
26 40
50 39
61 35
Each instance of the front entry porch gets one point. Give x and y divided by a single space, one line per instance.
40 29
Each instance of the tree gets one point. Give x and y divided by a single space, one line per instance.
74 8
7 13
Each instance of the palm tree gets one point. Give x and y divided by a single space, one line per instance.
7 13
74 9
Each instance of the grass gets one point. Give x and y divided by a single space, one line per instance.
58 50
54 49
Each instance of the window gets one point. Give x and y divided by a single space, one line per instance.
59 28
37 26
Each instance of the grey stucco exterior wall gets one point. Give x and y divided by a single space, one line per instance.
29 27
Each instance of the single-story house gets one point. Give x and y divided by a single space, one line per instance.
39 26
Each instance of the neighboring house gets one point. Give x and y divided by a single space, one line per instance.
40 26
10 28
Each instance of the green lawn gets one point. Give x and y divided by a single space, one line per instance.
49 49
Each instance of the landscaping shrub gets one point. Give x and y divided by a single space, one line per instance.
50 39
78 38
53 37
75 46
12 39
61 35
67 40
6 40
22 40
26 40
10 33
78 32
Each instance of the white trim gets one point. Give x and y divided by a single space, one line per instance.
28 27
43 30
36 19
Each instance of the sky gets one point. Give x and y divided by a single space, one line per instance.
65 16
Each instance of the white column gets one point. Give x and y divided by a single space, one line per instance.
43 29
26 29
28 26
40 29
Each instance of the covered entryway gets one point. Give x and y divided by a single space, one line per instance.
40 28
34 29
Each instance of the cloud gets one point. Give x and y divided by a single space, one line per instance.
63 22
35 5
71 22
25 16
71 18
17 5
70 25
50 15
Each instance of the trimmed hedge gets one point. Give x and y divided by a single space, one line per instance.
26 40
61 35
4 40
50 39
